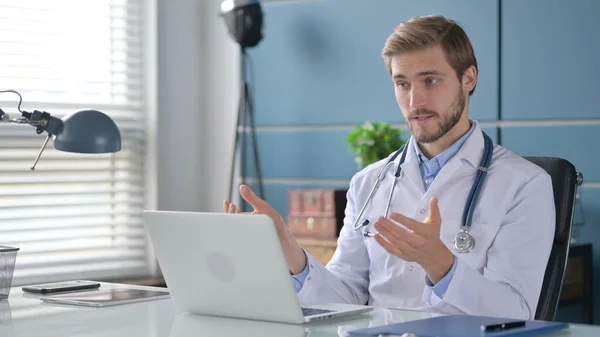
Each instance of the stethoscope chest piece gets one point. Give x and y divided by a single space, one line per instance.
463 241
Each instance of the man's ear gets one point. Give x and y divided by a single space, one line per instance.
469 79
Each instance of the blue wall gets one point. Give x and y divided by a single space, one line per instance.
318 71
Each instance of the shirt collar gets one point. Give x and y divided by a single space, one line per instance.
443 157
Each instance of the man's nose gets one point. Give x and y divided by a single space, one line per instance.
417 98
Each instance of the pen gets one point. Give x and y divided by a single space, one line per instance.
502 326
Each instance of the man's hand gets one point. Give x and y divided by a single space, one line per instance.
294 255
420 244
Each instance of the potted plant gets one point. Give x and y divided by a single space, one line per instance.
373 141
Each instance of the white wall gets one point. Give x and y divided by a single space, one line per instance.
197 101
221 104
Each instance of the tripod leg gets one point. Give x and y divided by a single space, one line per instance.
243 121
235 146
243 143
254 143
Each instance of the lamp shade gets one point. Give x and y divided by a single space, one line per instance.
88 131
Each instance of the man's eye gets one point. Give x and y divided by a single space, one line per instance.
432 80
402 85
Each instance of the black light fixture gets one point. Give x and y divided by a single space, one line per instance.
84 131
244 20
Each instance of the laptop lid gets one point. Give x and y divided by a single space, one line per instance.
224 264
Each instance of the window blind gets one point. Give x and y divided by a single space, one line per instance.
76 215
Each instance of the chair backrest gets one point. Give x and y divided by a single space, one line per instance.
565 180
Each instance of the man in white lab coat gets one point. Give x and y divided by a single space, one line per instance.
411 262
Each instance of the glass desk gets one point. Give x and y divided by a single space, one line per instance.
24 315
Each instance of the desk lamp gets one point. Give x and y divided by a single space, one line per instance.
84 131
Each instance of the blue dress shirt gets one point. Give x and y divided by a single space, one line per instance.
429 169
300 278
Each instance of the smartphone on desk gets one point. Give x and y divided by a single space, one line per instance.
59 287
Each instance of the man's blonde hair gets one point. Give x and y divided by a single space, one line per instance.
427 31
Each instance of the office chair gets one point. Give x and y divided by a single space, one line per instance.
565 180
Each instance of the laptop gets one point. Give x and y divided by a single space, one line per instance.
185 324
230 265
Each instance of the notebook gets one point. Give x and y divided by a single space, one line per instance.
461 326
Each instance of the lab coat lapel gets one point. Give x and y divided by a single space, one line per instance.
410 168
469 154
446 173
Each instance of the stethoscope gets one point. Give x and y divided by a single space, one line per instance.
463 241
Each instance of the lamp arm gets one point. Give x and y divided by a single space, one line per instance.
41 120
23 121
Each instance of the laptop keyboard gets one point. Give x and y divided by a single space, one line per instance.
312 311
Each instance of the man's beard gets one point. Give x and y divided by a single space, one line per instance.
451 117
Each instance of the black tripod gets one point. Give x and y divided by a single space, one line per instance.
245 115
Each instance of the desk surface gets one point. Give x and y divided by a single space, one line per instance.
25 315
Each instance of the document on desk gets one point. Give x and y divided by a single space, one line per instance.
464 326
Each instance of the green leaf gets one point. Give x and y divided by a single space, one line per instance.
373 141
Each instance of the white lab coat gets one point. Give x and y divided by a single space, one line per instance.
513 227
